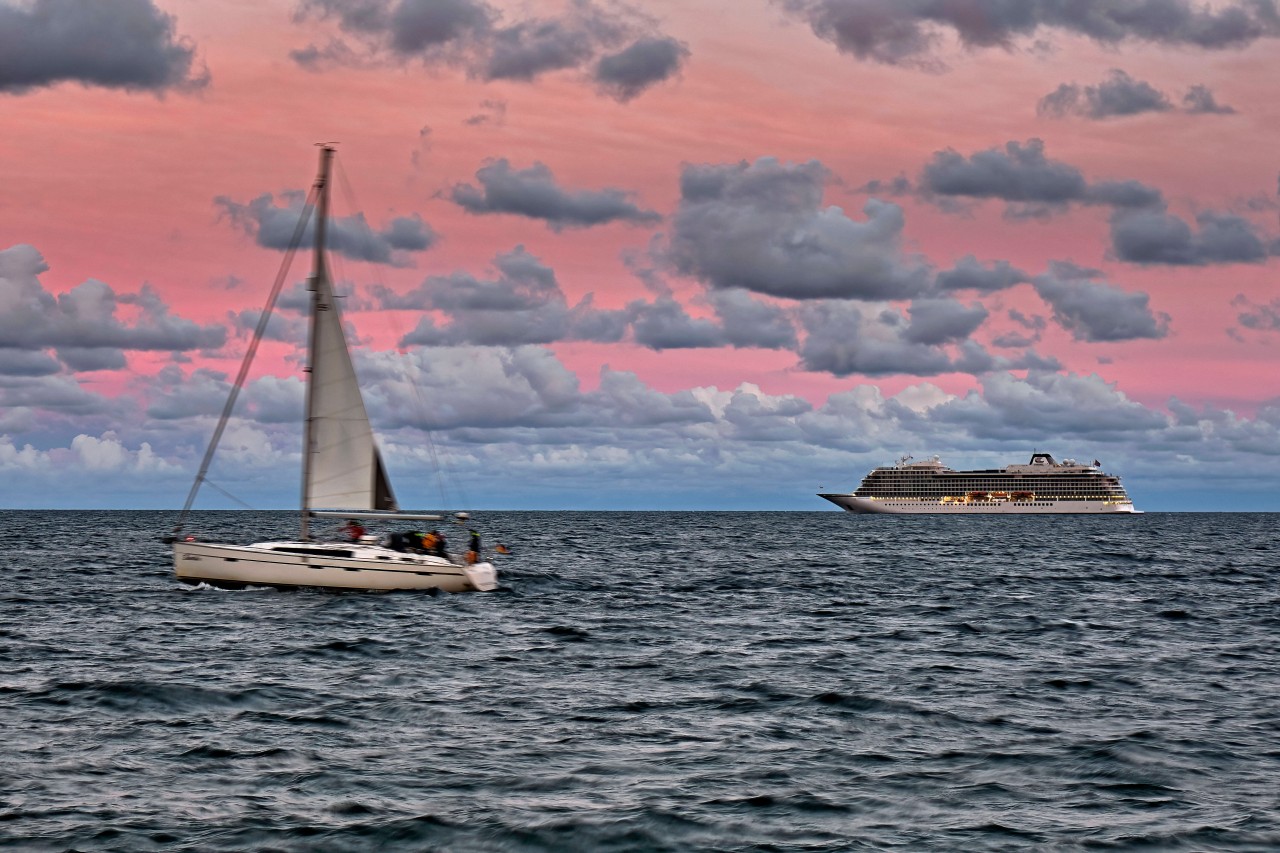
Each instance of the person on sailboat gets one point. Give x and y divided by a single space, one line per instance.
437 546
354 530
473 548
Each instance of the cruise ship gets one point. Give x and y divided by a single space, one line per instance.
1043 485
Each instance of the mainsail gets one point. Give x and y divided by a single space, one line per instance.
345 470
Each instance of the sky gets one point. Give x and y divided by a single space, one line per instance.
679 254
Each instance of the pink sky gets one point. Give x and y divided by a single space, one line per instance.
134 165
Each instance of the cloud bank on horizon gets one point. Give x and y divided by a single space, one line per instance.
639 259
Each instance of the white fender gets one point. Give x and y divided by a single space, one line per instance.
482 576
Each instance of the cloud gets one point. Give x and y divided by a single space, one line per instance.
629 72
1044 404
116 44
613 46
61 395
1118 95
1121 95
1035 326
1159 237
740 321
664 324
1200 101
844 339
273 225
970 274
503 415
1142 230
81 325
492 111
522 305
761 227
911 32
528 49
1258 317
940 321
1096 311
1124 194
1025 179
749 322
1021 175
534 193
405 28
23 362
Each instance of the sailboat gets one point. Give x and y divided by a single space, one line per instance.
342 473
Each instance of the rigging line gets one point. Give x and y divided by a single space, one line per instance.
248 358
214 485
439 461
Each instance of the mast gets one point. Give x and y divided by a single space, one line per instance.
319 271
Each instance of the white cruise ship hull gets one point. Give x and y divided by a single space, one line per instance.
326 566
899 506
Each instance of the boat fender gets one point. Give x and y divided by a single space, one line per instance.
481 576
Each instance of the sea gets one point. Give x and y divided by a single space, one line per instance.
654 681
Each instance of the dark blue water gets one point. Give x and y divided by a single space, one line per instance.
655 681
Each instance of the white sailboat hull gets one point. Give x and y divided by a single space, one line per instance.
338 566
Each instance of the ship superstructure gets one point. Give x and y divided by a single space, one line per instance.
1042 485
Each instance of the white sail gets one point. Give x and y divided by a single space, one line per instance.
345 470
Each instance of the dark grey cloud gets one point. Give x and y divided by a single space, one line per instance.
403 27
1159 237
762 227
117 44
1118 95
1030 184
1131 194
1034 325
533 192
749 322
647 61
970 274
1025 179
81 325
523 304
84 359
75 408
613 45
1096 311
910 32
529 49
492 112
290 329
1020 175
844 339
1121 95
940 321
273 226
1258 317
740 321
1199 100
26 362
1142 230
664 324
